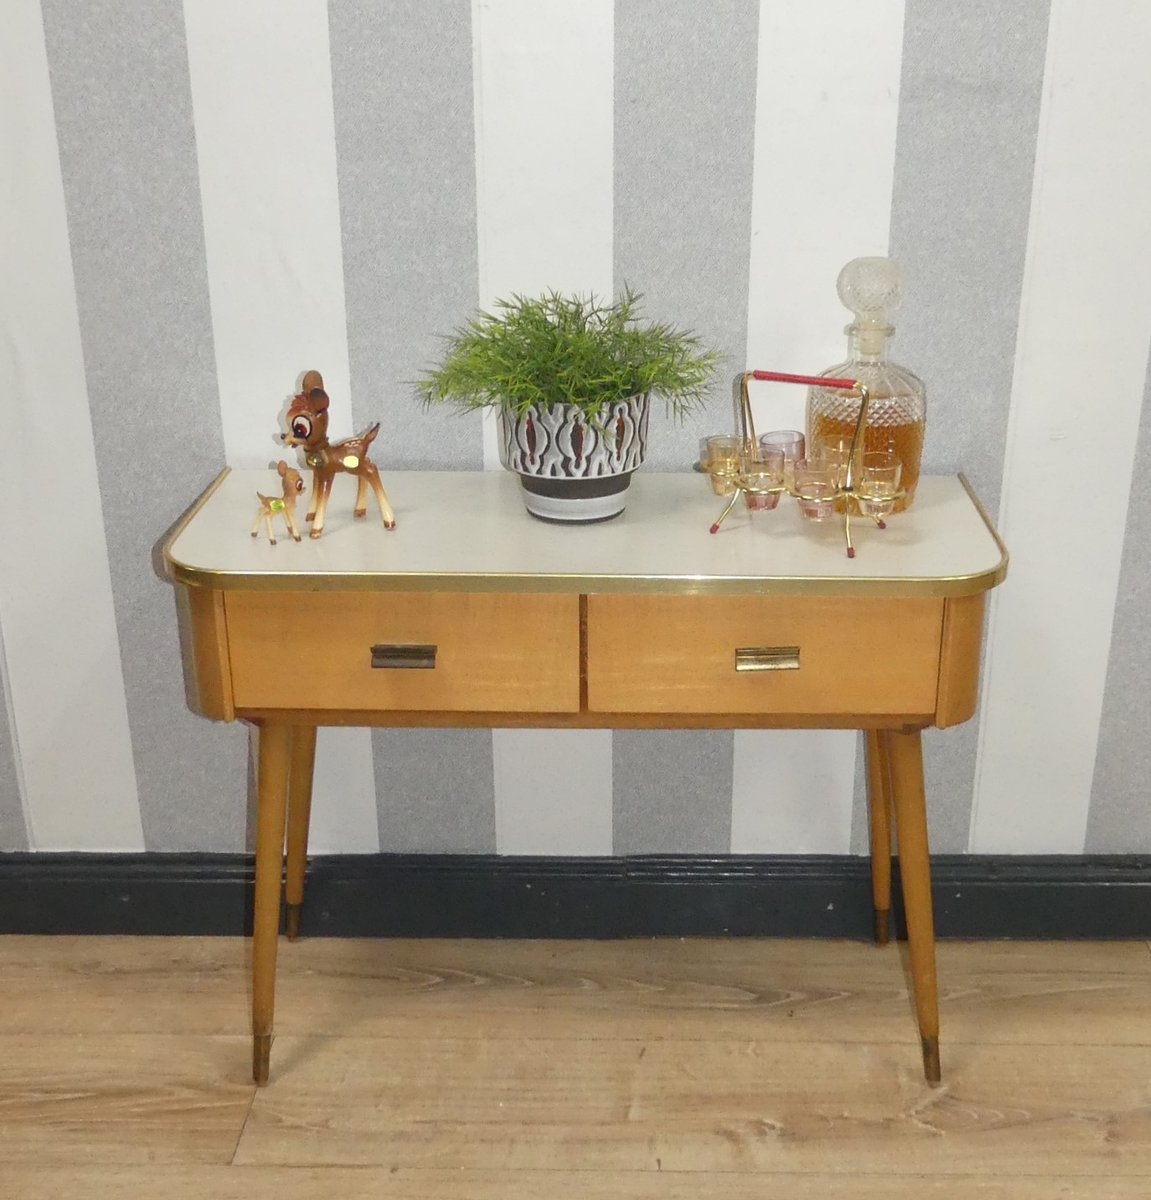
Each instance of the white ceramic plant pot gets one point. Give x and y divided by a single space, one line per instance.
573 469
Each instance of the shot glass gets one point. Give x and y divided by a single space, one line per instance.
761 474
722 464
835 452
700 463
815 489
790 441
879 483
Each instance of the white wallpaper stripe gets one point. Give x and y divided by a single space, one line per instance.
825 127
544 163
265 137
553 791
62 649
1076 398
344 818
821 194
793 791
265 141
544 125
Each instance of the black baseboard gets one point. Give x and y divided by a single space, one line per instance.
413 895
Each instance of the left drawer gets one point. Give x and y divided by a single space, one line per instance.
491 652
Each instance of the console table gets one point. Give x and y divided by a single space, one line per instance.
471 612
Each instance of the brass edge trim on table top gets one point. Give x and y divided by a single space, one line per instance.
1005 557
176 570
898 587
895 587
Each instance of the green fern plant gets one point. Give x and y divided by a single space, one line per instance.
568 349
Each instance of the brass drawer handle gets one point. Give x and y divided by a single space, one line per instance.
404 658
767 658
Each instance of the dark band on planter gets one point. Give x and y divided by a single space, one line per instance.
570 489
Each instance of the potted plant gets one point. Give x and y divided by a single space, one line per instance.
572 379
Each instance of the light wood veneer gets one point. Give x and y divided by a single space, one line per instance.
493 653
635 624
676 654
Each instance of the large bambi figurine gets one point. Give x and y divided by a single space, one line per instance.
308 428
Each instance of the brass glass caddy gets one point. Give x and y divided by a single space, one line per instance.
851 492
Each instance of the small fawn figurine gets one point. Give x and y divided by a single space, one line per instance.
286 505
308 428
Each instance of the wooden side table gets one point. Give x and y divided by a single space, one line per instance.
473 613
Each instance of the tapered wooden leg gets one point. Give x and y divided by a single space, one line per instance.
906 755
272 797
879 817
303 759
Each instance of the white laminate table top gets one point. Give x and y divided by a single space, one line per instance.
469 531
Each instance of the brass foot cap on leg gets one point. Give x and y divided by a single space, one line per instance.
292 921
882 926
261 1057
932 1071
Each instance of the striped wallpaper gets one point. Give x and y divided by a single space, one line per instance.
201 198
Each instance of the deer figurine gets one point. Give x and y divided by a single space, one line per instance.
308 429
293 485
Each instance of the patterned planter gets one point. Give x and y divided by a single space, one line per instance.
573 469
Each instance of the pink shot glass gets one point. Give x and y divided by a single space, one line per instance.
815 489
761 474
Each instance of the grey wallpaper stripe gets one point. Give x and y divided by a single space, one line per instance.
405 153
672 791
964 158
128 158
13 831
860 837
1119 819
436 791
684 144
684 141
965 150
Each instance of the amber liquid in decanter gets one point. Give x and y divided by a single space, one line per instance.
900 437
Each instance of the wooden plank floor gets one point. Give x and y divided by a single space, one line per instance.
633 1069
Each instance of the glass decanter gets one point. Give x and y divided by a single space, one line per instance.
896 413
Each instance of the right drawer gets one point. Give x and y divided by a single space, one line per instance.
769 655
